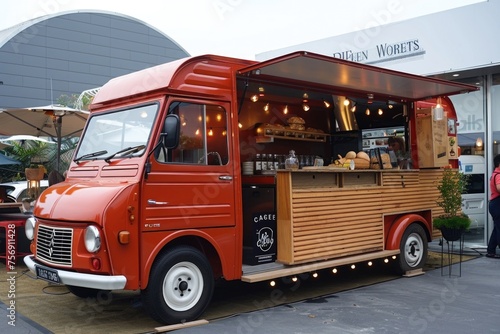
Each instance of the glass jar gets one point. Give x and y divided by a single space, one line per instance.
292 162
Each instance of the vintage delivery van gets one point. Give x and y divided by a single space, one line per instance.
183 176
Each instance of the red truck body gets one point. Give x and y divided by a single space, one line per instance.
156 197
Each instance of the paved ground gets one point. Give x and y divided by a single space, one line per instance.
431 303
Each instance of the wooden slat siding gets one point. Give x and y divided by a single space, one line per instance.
329 222
424 194
335 222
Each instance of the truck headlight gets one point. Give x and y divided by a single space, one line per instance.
29 228
92 239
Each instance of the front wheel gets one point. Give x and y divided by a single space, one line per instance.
413 249
180 286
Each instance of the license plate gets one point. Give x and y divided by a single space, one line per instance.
47 274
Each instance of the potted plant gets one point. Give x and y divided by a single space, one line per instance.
34 172
453 222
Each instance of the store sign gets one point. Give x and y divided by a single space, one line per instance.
383 52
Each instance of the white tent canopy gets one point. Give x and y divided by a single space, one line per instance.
53 121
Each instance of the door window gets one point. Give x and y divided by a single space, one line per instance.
203 135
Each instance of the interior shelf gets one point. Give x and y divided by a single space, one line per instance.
267 134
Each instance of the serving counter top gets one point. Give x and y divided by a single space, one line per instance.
343 170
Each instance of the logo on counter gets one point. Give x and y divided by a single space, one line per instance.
265 238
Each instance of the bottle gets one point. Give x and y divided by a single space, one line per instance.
270 162
264 162
352 165
258 164
276 162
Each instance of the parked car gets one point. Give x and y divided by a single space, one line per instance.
474 200
18 190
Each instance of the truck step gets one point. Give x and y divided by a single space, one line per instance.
279 270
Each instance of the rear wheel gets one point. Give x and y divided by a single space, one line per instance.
180 286
413 249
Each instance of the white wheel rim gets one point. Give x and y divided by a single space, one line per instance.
414 249
182 286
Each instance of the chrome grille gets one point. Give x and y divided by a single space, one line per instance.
54 245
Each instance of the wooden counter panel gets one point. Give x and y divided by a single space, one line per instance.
331 224
325 223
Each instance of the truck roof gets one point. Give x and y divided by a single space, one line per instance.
215 75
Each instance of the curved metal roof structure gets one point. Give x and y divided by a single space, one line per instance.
71 52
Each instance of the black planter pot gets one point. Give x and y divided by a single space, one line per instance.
451 234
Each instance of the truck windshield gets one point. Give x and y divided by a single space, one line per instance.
117 131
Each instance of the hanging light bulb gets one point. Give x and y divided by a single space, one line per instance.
439 105
346 102
285 110
266 107
240 125
326 103
254 98
305 105
211 132
438 111
380 112
367 112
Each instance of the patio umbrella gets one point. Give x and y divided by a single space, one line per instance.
4 160
54 121
7 141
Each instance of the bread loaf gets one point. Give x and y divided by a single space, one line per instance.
363 155
296 120
350 155
361 163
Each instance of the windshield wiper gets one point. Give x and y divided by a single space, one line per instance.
90 155
125 152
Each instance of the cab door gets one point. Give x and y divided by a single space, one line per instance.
192 186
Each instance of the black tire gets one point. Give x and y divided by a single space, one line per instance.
181 286
413 249
87 292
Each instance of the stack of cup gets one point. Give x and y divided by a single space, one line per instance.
247 168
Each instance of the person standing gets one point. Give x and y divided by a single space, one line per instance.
494 209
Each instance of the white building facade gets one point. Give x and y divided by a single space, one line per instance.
458 44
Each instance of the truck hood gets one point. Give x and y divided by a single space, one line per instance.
79 202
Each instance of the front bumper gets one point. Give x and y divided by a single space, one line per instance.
99 282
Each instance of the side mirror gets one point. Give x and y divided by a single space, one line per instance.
171 131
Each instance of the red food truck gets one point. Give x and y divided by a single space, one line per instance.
184 175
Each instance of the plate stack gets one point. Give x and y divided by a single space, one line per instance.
247 168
